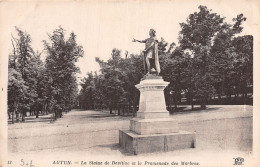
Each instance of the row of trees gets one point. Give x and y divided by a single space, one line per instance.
210 60
114 87
48 86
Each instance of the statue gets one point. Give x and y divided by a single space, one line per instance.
150 53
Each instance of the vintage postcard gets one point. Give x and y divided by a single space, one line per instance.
129 83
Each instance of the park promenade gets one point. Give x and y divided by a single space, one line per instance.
219 128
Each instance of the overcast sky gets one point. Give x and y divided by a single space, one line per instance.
100 27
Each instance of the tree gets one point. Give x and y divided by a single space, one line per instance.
88 91
133 72
41 82
16 91
114 91
206 34
61 70
243 64
114 87
174 70
116 83
20 64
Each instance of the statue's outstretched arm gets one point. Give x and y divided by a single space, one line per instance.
135 40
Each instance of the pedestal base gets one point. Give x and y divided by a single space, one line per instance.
153 130
154 126
139 144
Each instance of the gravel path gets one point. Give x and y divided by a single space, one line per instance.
218 128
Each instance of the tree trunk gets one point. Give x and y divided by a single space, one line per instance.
9 115
55 115
13 117
203 104
175 102
245 97
23 117
219 99
128 110
17 117
45 109
37 114
191 101
123 110
135 108
118 111
110 109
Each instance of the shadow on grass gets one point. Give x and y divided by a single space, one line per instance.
100 115
33 119
185 110
30 121
105 116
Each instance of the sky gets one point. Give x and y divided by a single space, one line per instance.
102 26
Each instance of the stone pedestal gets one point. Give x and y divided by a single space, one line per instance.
152 130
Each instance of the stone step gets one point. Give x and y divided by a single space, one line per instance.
149 115
140 144
154 126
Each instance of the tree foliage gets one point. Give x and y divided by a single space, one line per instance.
210 39
35 86
61 69
218 62
210 60
22 70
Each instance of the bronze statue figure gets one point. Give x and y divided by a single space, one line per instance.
150 53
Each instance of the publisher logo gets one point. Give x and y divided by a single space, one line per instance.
238 161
